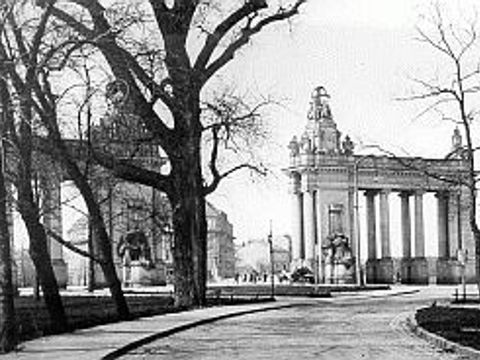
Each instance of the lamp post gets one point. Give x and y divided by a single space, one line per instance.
356 222
272 265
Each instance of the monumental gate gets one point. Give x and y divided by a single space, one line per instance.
327 179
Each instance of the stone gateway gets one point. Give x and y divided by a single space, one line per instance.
327 177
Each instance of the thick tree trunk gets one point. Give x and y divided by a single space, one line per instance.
190 229
40 256
8 337
7 312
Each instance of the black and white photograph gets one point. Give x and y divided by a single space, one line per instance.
239 179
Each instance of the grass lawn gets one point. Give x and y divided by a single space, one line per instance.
458 324
87 311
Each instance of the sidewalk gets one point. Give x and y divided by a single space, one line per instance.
104 341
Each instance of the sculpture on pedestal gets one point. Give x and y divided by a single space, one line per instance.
134 247
138 268
338 259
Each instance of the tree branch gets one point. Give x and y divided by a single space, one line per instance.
243 39
129 171
208 189
72 247
212 41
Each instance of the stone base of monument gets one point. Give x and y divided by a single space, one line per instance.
142 275
416 271
339 273
60 270
385 271
406 271
371 274
420 273
449 271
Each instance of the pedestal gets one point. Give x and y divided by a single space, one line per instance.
419 271
60 270
449 271
406 271
385 272
141 275
371 268
339 273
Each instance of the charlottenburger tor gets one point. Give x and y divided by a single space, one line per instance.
327 181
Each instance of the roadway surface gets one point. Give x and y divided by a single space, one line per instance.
361 326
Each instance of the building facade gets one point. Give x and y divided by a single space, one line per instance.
327 178
220 247
158 263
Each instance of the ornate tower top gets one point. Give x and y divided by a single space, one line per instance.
319 105
321 135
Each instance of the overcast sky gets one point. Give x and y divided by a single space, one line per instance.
363 52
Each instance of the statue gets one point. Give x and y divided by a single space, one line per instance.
348 146
134 247
294 147
338 258
306 144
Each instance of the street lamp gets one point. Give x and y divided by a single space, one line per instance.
356 221
272 265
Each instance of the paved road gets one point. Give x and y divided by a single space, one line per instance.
347 327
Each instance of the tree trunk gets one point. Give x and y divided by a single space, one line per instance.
102 242
8 336
190 228
40 256
7 311
91 263
100 238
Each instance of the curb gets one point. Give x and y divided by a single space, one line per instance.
189 325
441 342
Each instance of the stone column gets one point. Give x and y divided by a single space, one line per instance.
297 221
371 225
442 220
385 224
309 227
453 223
406 225
419 226
319 235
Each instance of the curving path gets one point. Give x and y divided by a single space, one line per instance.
367 326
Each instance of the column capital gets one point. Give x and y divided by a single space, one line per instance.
442 194
405 193
419 192
371 192
307 182
294 185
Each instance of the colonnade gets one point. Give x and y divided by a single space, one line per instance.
309 234
326 176
445 220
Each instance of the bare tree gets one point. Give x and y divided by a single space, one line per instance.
177 86
452 93
31 51
20 124
8 338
